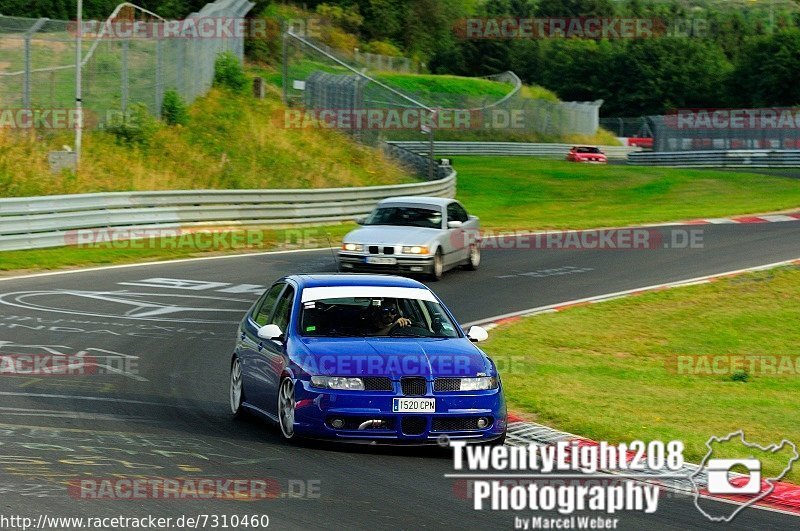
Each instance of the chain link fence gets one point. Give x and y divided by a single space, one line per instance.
627 127
727 129
132 57
338 93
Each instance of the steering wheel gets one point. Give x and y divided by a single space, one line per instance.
412 329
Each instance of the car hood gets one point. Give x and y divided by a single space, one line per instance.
392 357
391 235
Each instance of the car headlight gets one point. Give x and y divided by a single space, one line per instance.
337 382
415 249
357 247
482 383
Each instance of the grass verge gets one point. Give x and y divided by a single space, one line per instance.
609 371
186 245
230 141
533 193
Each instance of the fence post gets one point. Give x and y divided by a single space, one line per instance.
26 79
124 81
159 89
285 68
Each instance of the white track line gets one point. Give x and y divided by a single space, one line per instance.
165 262
617 294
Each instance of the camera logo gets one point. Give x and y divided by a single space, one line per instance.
715 477
719 478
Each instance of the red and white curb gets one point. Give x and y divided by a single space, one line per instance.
785 497
762 218
493 322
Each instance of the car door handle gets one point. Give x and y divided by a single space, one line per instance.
243 336
260 346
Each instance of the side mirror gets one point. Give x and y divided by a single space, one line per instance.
454 224
361 220
477 334
270 332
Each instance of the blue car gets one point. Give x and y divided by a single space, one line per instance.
364 358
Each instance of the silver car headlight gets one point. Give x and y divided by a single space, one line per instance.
357 247
482 383
337 382
415 249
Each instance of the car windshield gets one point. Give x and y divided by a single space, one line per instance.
375 317
587 150
406 217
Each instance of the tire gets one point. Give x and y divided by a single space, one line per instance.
236 391
286 407
438 266
473 257
500 441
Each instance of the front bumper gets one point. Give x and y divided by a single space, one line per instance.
455 416
404 263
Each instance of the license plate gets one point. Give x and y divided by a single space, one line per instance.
414 405
380 260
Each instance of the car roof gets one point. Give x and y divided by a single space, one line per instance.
351 279
417 199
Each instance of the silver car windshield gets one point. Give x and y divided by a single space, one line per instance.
406 217
375 317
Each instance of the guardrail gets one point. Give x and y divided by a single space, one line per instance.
52 221
508 148
751 158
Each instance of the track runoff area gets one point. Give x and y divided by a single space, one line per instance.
149 423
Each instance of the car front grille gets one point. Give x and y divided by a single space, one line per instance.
413 425
458 424
388 250
443 385
374 249
413 386
377 383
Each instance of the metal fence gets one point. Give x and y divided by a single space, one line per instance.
719 159
317 77
509 149
627 127
679 132
386 63
37 68
51 221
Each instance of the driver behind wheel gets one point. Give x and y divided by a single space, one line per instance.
385 316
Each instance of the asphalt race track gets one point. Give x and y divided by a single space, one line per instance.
162 410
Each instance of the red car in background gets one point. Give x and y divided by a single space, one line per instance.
590 154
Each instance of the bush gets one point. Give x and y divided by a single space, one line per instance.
228 72
137 127
173 109
740 375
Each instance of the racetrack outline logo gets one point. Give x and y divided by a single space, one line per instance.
166 307
772 448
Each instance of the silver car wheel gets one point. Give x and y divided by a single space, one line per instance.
474 256
236 387
286 405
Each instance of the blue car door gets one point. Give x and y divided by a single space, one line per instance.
251 346
271 355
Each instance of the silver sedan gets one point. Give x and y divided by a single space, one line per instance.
423 235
